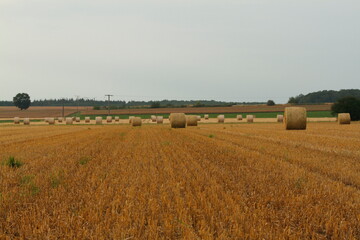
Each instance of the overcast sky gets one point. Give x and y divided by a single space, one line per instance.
232 50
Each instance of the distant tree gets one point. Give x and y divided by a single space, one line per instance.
293 100
155 105
199 104
348 105
22 101
270 103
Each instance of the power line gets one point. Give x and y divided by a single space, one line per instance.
108 95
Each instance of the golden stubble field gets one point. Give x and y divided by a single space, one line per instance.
214 181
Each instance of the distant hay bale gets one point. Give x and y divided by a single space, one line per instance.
130 118
344 118
280 118
51 121
109 119
16 120
69 121
159 119
206 116
98 120
191 120
77 119
221 119
26 121
87 119
198 118
177 120
295 118
250 118
46 120
60 119
153 118
239 117
136 122
117 119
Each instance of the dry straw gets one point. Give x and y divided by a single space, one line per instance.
191 120
136 122
16 120
295 118
159 119
26 121
109 119
117 119
344 118
280 118
98 120
250 118
177 120
221 119
51 121
153 118
239 117
87 119
206 116
69 121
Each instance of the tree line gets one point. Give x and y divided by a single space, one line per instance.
325 96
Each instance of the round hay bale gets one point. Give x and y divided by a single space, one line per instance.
77 119
60 119
153 118
117 119
198 118
159 119
16 120
280 118
344 118
250 118
109 119
87 119
191 120
46 120
206 116
130 118
221 119
26 121
98 120
136 122
51 121
239 117
69 121
295 118
177 120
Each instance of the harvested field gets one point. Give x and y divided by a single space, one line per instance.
37 112
205 110
222 181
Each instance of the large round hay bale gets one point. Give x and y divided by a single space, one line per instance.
109 119
159 119
26 121
98 120
239 117
51 121
136 122
16 120
295 118
177 120
117 119
344 118
131 118
280 118
153 118
198 118
221 119
60 119
77 119
87 119
191 120
206 116
69 121
250 118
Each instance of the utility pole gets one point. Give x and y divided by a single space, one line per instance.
108 95
77 101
